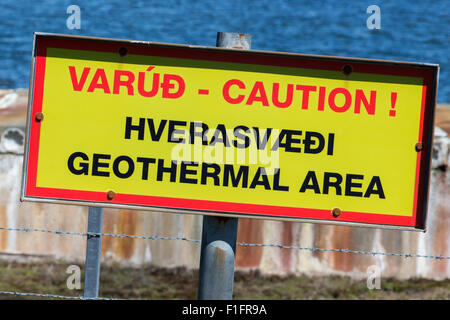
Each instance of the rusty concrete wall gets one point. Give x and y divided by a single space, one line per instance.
171 253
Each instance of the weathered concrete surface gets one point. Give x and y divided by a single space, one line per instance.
171 253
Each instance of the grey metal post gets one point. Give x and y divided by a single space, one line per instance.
93 251
218 249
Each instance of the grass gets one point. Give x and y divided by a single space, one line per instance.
149 282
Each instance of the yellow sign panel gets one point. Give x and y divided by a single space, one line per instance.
219 131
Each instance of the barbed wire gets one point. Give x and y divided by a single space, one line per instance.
53 296
374 253
96 234
279 246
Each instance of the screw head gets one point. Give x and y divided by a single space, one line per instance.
336 212
110 195
39 116
123 51
347 69
419 146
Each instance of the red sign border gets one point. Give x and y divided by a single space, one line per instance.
428 72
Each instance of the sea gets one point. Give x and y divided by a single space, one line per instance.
416 31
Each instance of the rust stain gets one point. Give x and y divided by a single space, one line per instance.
440 266
324 238
342 238
249 231
119 222
287 239
3 234
108 227
440 234
127 225
319 240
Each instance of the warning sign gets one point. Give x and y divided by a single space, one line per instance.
229 132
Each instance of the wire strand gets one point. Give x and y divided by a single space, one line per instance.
182 238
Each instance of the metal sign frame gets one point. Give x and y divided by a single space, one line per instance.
428 72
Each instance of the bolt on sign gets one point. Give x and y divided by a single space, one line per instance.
192 129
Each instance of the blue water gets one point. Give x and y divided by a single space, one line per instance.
410 30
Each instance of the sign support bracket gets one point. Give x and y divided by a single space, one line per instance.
93 253
218 248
